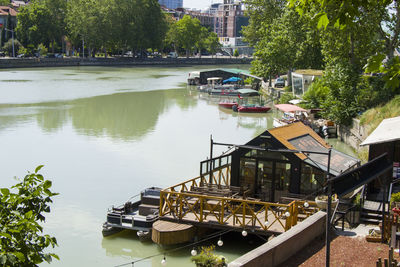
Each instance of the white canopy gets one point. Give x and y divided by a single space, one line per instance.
387 131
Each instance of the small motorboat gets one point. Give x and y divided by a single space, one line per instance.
250 108
136 215
227 104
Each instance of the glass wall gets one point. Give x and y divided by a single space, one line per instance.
312 179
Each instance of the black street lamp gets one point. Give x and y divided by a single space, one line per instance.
12 36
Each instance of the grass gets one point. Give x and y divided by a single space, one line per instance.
373 117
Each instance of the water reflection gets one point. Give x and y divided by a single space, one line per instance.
124 116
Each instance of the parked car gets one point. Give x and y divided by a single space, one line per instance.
279 83
172 55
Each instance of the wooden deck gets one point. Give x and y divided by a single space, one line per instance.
211 221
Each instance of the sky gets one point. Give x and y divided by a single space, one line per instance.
199 4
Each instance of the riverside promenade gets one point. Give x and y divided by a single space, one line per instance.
6 63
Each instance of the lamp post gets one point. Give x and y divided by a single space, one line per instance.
12 36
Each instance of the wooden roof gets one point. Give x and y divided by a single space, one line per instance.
285 133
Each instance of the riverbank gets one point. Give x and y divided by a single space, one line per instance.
6 63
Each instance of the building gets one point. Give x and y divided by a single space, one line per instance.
272 174
229 19
171 4
8 20
264 186
302 79
384 139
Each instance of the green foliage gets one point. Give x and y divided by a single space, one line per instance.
285 98
207 258
274 31
186 33
8 47
22 209
41 22
395 198
374 116
212 43
317 94
41 49
236 53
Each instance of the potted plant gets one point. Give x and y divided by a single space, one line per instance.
322 201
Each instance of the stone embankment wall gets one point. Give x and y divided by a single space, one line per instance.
279 249
353 135
122 61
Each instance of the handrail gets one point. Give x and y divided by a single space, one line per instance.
219 176
245 213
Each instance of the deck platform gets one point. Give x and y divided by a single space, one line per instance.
170 233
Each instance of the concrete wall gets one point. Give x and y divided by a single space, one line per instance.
285 245
353 135
123 61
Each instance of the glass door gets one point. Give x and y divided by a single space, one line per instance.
266 180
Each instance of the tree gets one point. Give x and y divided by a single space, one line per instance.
42 21
282 39
346 14
22 209
185 33
236 53
212 43
8 46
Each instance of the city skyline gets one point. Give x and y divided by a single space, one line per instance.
199 4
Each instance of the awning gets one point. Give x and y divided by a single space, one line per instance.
289 108
387 131
248 92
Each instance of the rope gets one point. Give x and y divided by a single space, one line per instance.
211 236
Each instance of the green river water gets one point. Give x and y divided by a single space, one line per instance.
104 134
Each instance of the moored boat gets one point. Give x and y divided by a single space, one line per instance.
250 108
227 104
136 215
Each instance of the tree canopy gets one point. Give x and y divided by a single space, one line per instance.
22 209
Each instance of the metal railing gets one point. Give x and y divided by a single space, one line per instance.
182 203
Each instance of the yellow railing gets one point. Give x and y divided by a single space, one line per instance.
182 203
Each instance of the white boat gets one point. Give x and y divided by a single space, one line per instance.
136 215
291 113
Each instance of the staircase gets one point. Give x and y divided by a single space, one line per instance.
371 212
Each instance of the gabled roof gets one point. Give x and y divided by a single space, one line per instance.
297 136
387 131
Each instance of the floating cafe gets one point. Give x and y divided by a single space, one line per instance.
281 185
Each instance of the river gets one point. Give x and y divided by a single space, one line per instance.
105 133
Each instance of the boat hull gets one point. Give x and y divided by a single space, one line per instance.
227 105
255 109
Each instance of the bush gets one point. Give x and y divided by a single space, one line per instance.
236 53
285 98
8 47
207 258
394 198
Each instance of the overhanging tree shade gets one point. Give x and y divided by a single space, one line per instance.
232 80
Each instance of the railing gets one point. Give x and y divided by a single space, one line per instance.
243 213
182 203
213 167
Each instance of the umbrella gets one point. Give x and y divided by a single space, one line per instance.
232 80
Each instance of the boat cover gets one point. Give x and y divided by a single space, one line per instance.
232 80
289 108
